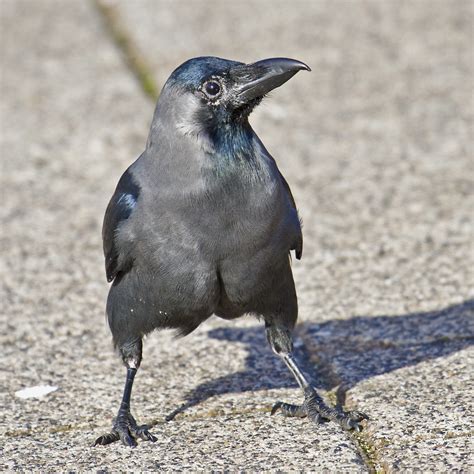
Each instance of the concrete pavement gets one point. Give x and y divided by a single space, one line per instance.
376 144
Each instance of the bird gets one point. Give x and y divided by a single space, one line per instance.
203 223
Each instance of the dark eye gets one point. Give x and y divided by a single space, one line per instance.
212 88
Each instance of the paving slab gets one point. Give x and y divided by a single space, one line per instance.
201 444
379 159
413 374
375 141
376 144
73 117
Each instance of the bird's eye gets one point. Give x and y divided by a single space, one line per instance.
212 88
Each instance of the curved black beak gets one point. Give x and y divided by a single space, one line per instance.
257 79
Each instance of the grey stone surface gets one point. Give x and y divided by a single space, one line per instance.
72 119
375 141
379 156
243 441
377 146
422 414
413 374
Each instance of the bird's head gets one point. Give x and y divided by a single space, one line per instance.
208 93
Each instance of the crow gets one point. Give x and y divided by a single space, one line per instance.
202 224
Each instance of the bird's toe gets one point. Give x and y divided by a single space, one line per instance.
357 415
127 438
289 410
353 420
143 433
107 439
277 406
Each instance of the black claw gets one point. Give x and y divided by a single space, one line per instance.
106 439
144 434
276 407
150 437
352 420
127 439
358 415
317 418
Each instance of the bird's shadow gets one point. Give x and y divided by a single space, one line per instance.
353 349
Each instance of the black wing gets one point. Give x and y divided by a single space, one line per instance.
119 209
298 245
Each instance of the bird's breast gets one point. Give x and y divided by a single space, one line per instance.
218 204
239 219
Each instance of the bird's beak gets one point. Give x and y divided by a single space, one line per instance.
257 79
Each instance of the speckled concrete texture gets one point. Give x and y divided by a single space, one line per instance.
376 144
413 374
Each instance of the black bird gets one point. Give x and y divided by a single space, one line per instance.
202 223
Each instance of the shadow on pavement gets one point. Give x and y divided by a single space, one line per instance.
345 352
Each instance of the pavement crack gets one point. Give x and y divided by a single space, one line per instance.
134 59
40 430
369 449
182 417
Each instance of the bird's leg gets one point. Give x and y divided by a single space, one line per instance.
125 427
313 406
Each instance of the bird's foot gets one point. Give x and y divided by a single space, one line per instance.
317 411
125 429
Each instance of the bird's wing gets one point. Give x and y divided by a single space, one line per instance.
119 210
298 245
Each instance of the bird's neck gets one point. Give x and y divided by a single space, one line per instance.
189 150
238 155
233 142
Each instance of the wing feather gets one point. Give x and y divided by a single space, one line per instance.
298 244
119 210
